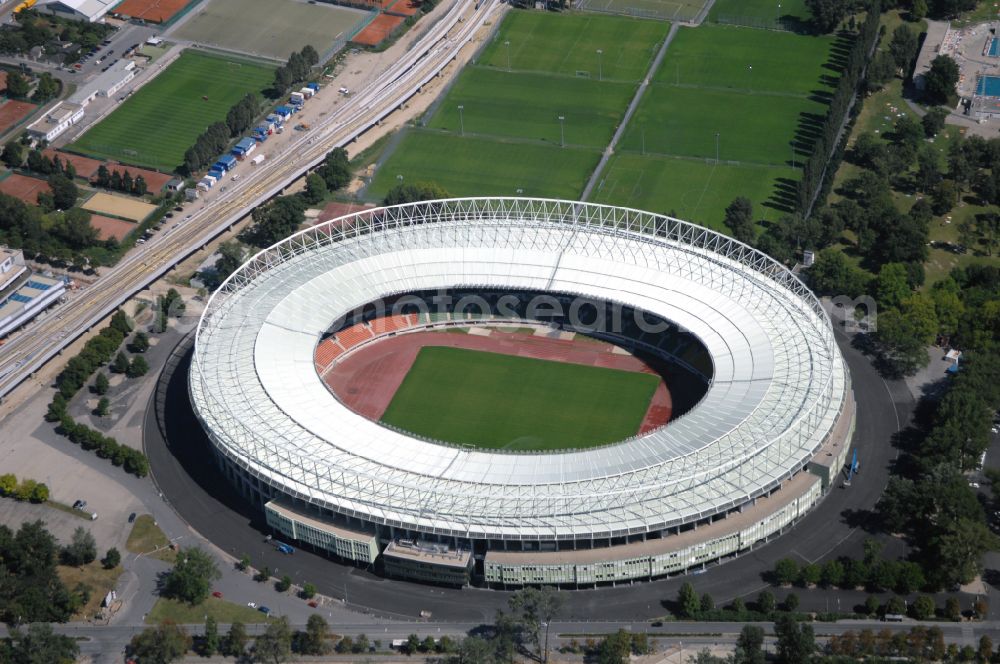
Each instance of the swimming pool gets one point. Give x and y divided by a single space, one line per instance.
988 86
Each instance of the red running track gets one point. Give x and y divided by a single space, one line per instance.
367 380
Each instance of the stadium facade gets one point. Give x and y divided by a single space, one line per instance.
759 449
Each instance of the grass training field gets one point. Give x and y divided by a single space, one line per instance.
693 189
500 401
156 125
563 43
529 105
759 9
511 142
669 10
472 166
270 28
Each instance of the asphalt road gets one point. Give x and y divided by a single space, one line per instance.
179 456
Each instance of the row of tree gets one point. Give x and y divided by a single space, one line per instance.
123 182
27 490
19 86
871 572
37 644
295 70
918 644
32 590
34 29
106 447
819 169
97 351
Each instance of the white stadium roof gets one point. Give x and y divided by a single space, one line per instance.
778 383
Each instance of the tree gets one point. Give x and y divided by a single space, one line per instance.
533 606
81 550
923 608
832 574
827 14
310 55
314 639
32 591
707 603
64 192
111 559
8 484
335 169
933 121
411 193
39 493
940 80
13 154
210 639
796 642
236 640
810 574
905 333
918 10
739 220
283 584
786 571
39 645
101 383
952 610
962 543
47 88
688 601
121 363
308 591
103 407
891 286
138 367
791 602
162 644
749 646
274 646
903 47
140 343
17 85
191 577
243 563
766 602
316 189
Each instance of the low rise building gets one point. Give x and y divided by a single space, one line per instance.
55 121
23 295
77 10
105 84
427 562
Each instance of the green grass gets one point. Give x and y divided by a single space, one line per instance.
184 614
721 56
147 538
762 9
691 189
755 128
161 121
473 166
567 43
500 401
529 105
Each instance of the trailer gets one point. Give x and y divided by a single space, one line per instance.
258 160
307 93
313 86
226 163
216 175
297 98
242 149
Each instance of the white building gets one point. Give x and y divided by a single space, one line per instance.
79 10
23 295
106 84
58 119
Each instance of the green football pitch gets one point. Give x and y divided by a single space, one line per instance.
156 125
497 401
473 166
696 190
759 9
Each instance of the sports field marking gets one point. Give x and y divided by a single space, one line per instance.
156 125
498 401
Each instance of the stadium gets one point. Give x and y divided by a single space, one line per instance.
762 408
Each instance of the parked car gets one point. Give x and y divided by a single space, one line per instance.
217 594
263 609
131 517
252 605
80 504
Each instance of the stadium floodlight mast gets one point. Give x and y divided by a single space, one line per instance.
750 76
506 43
562 131
600 67
461 119
716 147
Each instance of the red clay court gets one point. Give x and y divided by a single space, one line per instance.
154 11
13 112
23 187
378 30
87 168
404 7
367 380
108 227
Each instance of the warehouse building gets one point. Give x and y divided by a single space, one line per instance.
23 295
56 120
77 10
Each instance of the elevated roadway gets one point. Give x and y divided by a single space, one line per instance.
26 352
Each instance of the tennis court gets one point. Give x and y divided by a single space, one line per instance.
988 86
269 28
24 187
14 112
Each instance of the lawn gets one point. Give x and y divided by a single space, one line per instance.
185 614
526 105
692 189
567 43
96 578
473 166
156 125
147 538
754 128
501 401
759 9
727 57
673 10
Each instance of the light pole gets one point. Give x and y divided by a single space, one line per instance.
507 44
562 131
461 119
716 147
400 178
600 66
778 17
750 76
